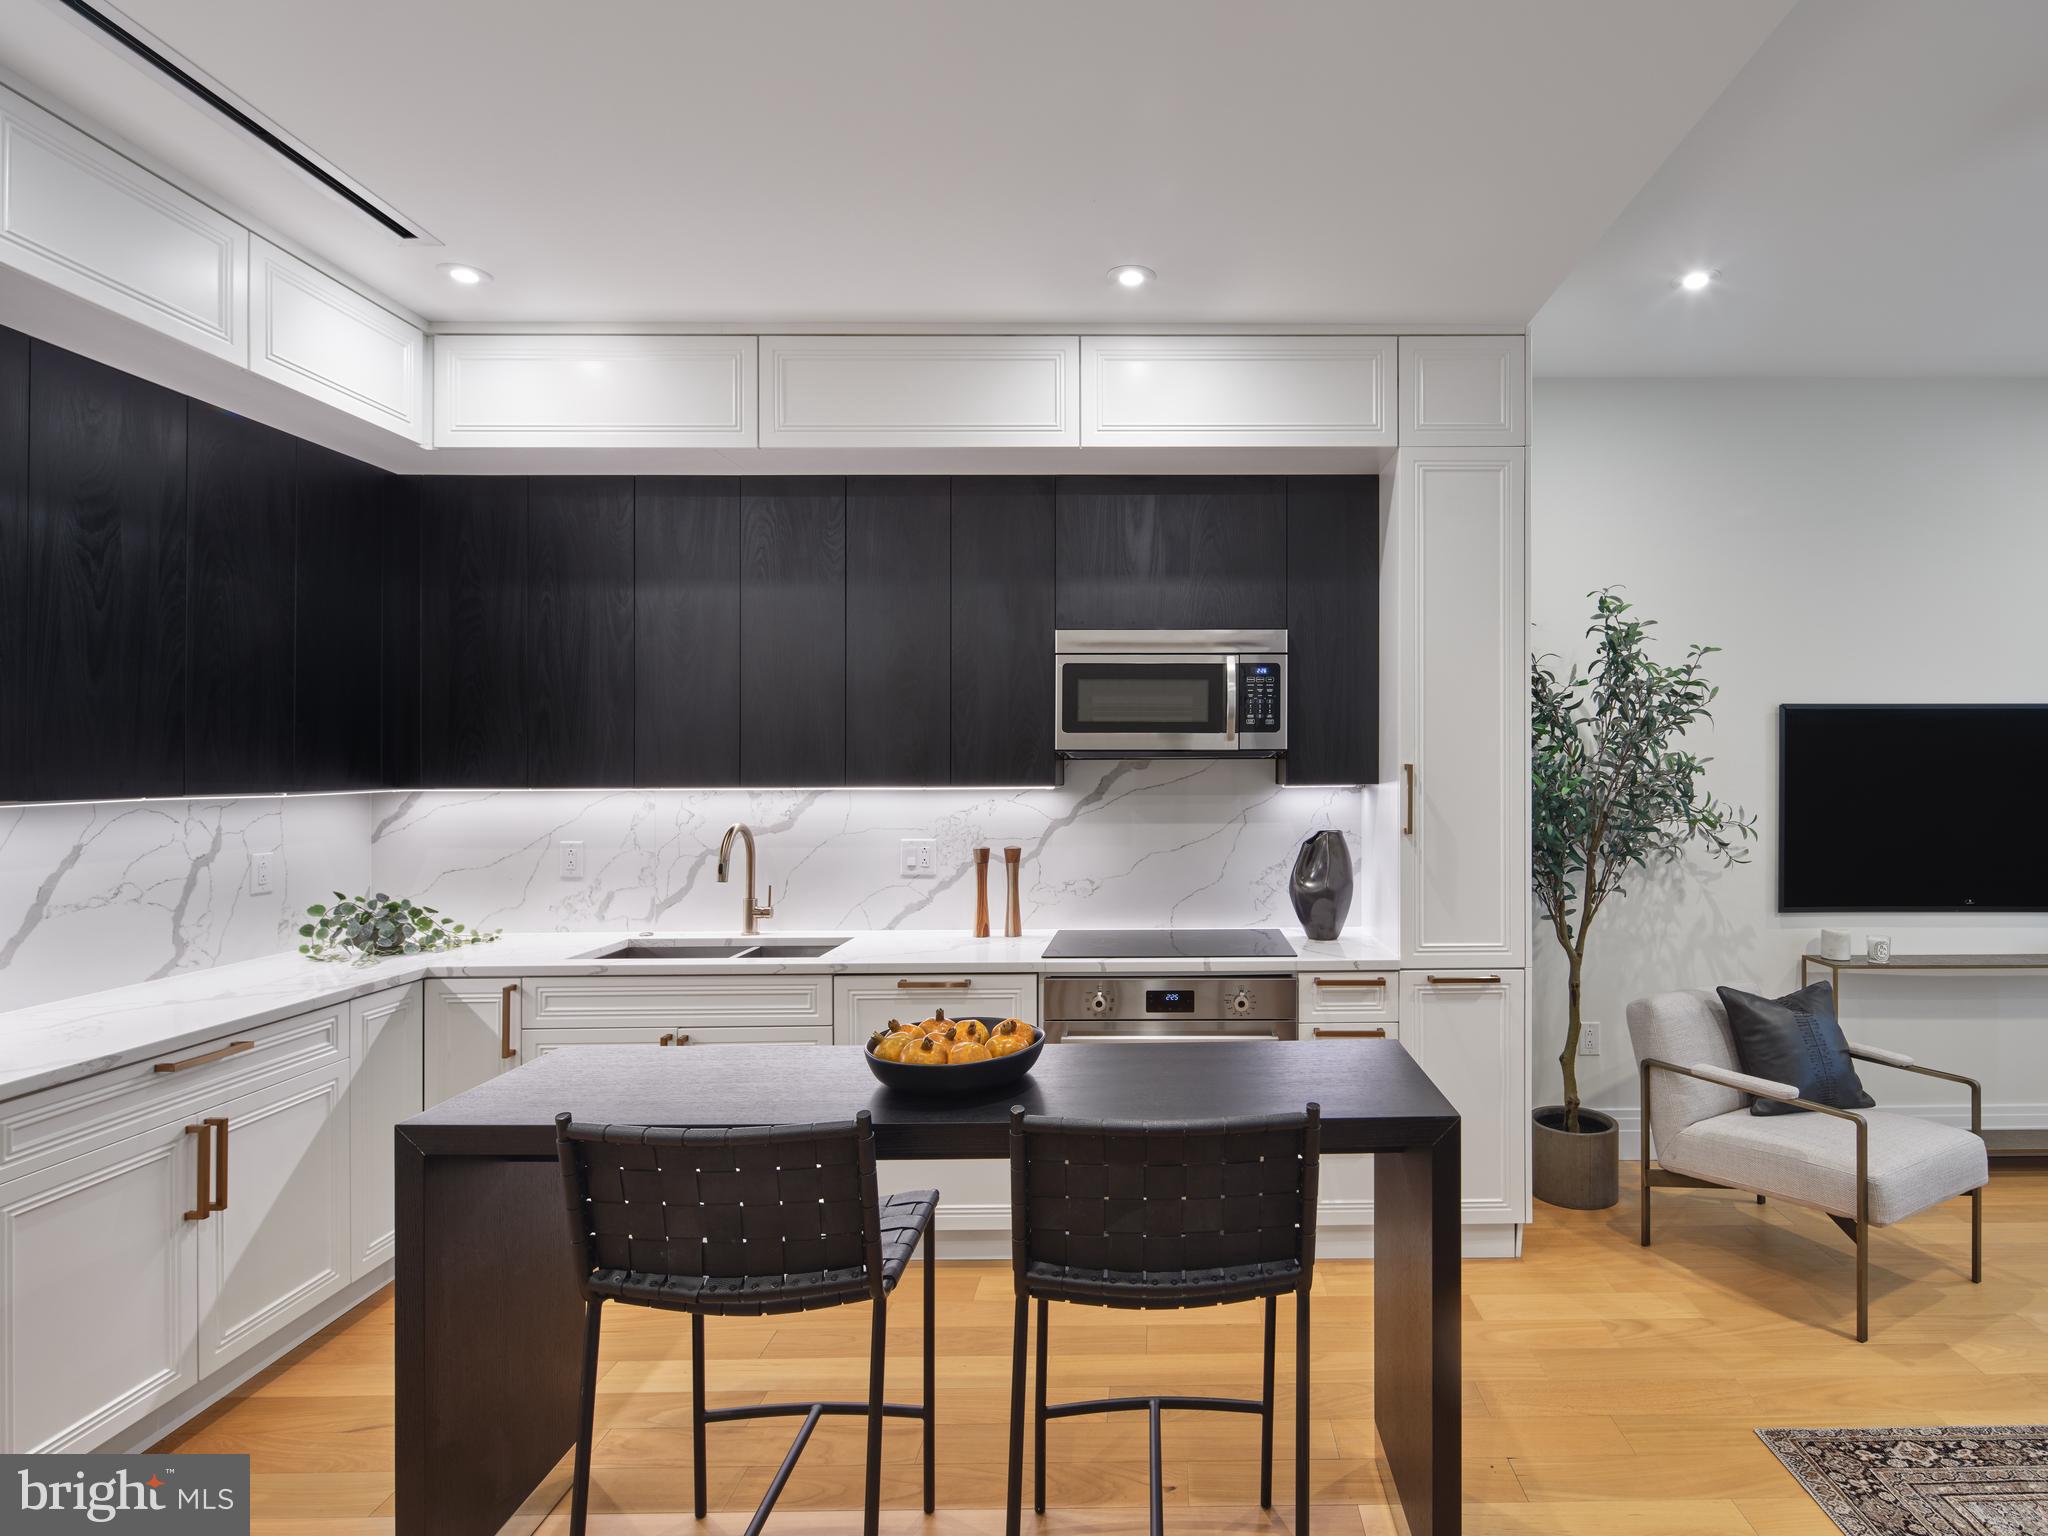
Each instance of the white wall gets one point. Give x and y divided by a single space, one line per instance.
1843 541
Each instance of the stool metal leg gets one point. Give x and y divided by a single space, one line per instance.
1266 1413
878 1356
1301 1361
579 1498
697 1406
1038 1413
931 1379
1158 1481
1015 1492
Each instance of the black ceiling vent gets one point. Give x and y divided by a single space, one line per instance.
153 56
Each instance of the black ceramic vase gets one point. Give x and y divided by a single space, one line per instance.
1321 884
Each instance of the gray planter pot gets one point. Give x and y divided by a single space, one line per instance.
1580 1170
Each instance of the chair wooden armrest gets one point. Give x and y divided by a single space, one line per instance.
1761 1087
1905 1063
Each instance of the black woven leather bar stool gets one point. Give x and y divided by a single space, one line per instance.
742 1223
1162 1214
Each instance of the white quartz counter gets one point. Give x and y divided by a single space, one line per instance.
75 1037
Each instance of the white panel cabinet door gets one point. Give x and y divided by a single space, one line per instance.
1349 1005
1238 391
1463 392
326 340
1464 737
99 1290
385 1087
95 224
1469 1031
472 1033
277 1242
594 391
919 391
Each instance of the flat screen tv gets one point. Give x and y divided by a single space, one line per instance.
1913 808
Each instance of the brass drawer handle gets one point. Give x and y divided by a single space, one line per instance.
1464 981
202 1207
1408 800
679 1039
220 1161
505 1051
1351 1034
234 1049
1348 981
933 986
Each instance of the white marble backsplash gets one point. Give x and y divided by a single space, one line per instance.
97 896
1122 844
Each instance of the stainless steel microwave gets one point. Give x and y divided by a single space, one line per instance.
1164 692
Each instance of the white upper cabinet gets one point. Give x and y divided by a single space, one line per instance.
919 391
1238 391
94 223
594 391
1462 392
328 341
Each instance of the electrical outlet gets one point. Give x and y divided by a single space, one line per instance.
920 857
262 873
1589 1038
572 860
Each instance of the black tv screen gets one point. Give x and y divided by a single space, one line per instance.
1913 808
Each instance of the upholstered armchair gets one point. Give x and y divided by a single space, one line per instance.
1863 1168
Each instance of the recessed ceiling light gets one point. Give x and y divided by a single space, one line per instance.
1131 276
1696 280
463 273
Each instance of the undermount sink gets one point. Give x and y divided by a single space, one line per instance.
794 951
714 949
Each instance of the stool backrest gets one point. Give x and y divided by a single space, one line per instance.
742 1203
1164 1195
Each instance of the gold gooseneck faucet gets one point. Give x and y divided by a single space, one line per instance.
753 910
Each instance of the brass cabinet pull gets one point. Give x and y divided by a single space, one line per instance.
905 985
1351 981
1351 1034
666 1040
1464 981
220 1161
1408 800
234 1049
202 1207
680 1040
505 1050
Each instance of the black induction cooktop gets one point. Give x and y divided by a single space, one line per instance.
1168 944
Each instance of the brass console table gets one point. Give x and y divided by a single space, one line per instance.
2009 1143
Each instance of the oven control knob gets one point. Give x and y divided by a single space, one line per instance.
1241 1000
1098 1001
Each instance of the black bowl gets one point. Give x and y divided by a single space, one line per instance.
971 1077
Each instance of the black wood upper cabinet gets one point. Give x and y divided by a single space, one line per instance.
1333 629
399 570
341 635
102 573
14 743
1157 552
579 631
793 631
239 519
686 625
473 685
1002 627
898 622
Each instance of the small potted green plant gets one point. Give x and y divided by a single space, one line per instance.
362 929
1614 792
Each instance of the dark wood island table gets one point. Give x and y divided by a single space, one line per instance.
489 1323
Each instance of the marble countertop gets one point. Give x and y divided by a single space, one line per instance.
74 1037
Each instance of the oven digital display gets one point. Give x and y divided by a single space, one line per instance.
1170 1000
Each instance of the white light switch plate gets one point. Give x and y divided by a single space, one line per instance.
920 857
572 860
262 873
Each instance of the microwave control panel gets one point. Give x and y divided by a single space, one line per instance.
1258 688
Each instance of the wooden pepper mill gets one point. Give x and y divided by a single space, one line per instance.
981 893
1013 924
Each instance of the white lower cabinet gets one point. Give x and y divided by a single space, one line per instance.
1348 1005
674 1010
387 1036
472 1033
1469 1031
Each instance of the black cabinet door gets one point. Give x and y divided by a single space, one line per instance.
1002 598
1156 552
14 744
686 622
579 630
473 694
898 630
399 706
103 584
337 684
1333 629
793 631
238 665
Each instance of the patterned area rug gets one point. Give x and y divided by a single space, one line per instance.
1986 1480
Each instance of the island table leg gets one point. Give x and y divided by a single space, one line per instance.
1416 1332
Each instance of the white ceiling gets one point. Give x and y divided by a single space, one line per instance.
1873 190
767 162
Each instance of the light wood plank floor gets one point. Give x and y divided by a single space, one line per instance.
1609 1389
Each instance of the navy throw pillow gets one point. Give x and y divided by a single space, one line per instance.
1795 1039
